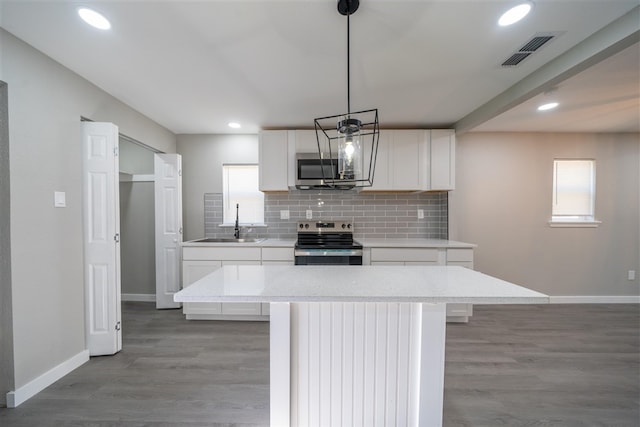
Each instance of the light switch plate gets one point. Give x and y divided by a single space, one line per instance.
60 199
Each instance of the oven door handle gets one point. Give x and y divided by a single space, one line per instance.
327 252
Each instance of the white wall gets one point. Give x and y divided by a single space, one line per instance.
46 102
202 160
502 202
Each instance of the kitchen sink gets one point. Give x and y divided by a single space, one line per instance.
226 240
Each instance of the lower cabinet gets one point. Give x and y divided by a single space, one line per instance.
459 313
197 262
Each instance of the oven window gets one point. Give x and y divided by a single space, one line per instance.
328 260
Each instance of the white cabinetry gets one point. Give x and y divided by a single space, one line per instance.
407 256
275 164
276 256
429 256
442 160
463 258
401 161
200 261
305 141
407 159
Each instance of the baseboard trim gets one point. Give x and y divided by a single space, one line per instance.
138 297
595 299
35 386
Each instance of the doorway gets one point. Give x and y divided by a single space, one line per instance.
137 242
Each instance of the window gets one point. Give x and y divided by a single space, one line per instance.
574 189
240 186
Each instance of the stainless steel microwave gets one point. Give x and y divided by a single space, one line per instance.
311 172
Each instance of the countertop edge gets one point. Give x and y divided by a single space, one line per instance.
366 243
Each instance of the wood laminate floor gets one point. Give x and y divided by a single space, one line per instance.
538 365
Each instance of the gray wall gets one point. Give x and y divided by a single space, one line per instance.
137 241
202 160
502 202
137 216
6 321
46 102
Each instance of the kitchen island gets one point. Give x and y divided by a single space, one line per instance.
356 344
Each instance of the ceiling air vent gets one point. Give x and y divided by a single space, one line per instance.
531 46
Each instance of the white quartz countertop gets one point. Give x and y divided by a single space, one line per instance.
414 243
285 243
367 243
430 284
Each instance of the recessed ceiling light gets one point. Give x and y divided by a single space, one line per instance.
234 125
94 18
515 14
548 106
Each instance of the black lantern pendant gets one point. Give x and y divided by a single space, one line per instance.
351 139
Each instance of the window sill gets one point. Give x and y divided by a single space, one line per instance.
574 224
242 225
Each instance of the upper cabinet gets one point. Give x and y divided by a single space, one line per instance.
401 161
305 141
442 160
407 159
274 160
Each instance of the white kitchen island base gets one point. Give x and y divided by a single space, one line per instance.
356 345
345 364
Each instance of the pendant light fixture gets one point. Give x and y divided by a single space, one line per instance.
348 142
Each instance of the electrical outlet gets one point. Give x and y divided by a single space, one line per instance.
284 214
631 275
420 213
309 214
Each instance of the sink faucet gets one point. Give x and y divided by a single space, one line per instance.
236 232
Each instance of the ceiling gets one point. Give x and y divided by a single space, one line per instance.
195 66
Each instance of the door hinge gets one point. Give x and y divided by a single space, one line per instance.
116 151
179 172
116 237
117 326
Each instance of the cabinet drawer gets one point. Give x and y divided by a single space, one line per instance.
459 255
221 253
242 308
277 254
404 254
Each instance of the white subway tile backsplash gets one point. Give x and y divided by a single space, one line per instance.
374 215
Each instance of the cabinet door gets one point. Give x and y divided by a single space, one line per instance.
306 141
442 159
277 254
273 153
241 308
382 172
195 270
191 272
408 159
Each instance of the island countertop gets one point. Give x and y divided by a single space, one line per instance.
287 283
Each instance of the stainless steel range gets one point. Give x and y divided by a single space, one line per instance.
327 243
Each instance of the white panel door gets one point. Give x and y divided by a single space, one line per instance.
168 206
101 212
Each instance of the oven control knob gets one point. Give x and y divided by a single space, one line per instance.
306 226
301 226
344 225
348 225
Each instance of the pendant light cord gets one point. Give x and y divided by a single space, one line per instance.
348 69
